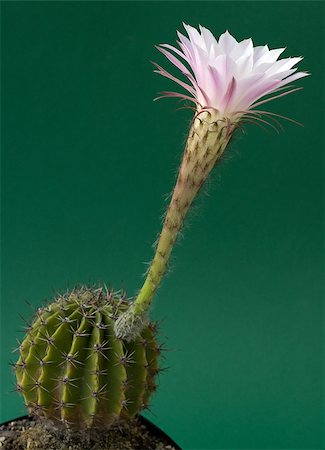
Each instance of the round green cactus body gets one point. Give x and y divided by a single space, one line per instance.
73 368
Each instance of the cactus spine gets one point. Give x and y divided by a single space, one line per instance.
207 140
74 369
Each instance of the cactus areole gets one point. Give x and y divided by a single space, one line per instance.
73 369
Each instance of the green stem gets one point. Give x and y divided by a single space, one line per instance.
207 140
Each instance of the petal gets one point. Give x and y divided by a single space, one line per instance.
269 57
210 40
178 64
227 42
221 65
194 36
230 93
282 64
216 79
274 54
260 51
281 75
247 85
243 49
293 77
244 66
186 46
200 65
256 93
174 61
174 49
166 74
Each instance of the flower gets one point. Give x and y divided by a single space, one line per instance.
227 75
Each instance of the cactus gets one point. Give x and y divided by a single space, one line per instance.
72 367
91 357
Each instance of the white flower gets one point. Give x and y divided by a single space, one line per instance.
227 75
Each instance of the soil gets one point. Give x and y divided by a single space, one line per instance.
36 434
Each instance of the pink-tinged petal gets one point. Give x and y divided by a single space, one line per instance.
282 75
199 64
166 74
262 68
186 46
175 61
174 49
255 94
213 85
269 57
179 65
244 66
202 97
194 36
274 54
293 77
260 51
217 81
246 85
230 94
226 68
283 64
227 42
220 66
242 50
210 40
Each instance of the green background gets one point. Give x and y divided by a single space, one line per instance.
87 158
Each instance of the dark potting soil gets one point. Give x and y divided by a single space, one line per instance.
35 434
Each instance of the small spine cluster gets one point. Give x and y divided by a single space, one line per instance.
73 368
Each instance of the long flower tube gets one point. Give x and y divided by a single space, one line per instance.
228 80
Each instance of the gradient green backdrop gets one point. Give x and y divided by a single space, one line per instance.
87 160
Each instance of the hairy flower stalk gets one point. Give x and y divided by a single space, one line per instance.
207 140
227 81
